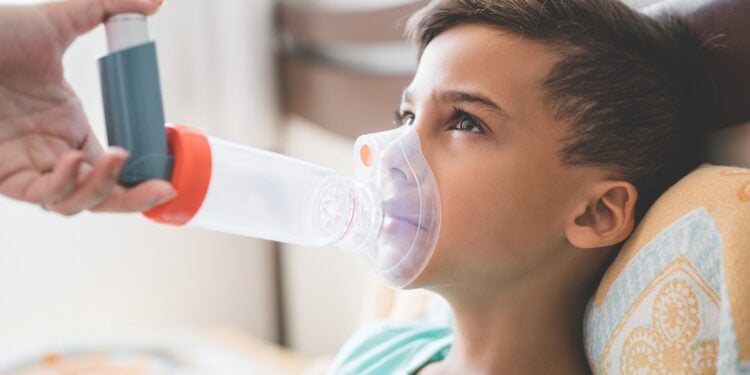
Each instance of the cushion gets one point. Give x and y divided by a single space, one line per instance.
676 300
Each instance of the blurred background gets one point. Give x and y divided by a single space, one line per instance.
227 68
302 77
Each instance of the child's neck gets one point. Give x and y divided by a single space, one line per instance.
534 327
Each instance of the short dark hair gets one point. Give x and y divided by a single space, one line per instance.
633 88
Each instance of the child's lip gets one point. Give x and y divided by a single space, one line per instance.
412 221
408 243
404 210
400 236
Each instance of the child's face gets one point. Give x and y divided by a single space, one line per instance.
478 104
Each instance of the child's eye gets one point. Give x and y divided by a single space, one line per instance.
403 118
467 123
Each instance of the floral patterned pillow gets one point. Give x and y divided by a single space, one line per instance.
677 298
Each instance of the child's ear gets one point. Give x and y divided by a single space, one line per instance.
605 218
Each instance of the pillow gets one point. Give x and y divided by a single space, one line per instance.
676 300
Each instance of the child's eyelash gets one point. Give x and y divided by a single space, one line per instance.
458 116
401 116
459 113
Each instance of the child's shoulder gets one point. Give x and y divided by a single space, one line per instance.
393 347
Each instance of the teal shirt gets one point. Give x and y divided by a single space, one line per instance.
391 347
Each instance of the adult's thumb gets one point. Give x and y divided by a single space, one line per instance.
75 17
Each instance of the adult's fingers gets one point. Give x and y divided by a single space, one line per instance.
57 184
76 17
140 198
90 147
94 185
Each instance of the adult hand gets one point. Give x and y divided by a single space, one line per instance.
48 152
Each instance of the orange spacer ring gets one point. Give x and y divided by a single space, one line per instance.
191 175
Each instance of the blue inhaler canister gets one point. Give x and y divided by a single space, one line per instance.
133 106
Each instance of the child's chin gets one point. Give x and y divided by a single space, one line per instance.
425 279
440 270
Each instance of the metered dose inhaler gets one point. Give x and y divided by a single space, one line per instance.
131 93
388 211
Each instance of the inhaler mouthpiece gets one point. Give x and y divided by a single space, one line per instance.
390 210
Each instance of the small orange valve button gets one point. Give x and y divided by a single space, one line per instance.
365 155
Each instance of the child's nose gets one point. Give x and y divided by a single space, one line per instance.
395 169
397 175
402 160
427 136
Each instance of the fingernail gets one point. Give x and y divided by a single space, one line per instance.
165 199
118 168
117 149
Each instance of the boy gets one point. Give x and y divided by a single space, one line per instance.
551 127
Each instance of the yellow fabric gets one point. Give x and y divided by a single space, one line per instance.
674 314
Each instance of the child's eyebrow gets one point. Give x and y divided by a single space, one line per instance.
458 96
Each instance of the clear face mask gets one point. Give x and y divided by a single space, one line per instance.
395 220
